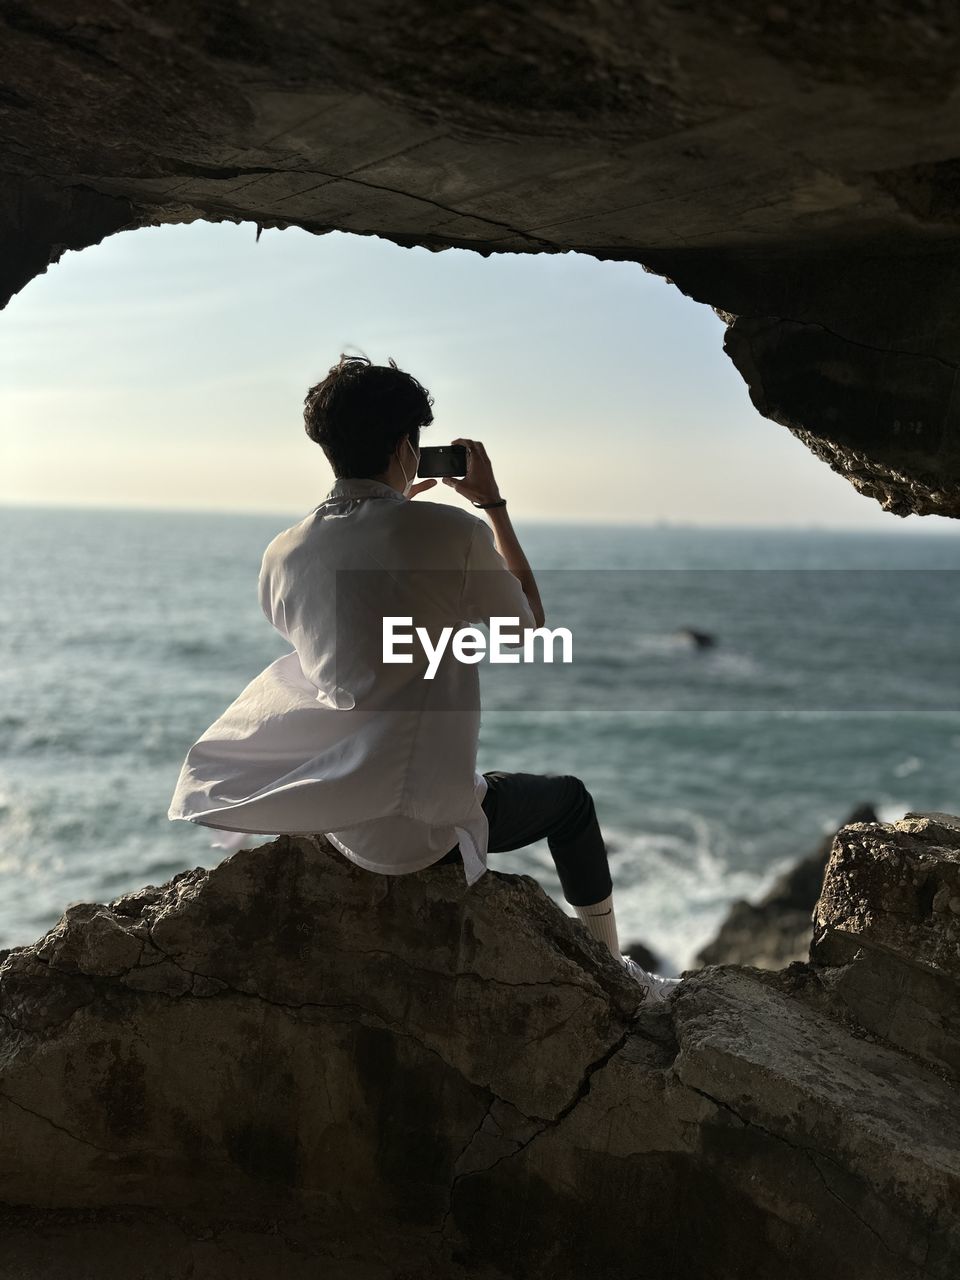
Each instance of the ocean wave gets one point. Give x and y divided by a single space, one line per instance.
672 887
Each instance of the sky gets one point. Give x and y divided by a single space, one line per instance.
166 368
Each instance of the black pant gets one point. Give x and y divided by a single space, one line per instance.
522 808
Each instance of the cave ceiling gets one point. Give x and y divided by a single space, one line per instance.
795 167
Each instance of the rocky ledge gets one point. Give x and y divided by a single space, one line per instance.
285 1063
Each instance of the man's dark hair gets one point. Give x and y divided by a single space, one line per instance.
359 412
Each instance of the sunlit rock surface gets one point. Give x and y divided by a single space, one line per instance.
794 167
887 933
287 1065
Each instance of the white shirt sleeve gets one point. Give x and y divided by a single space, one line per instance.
263 590
265 594
489 588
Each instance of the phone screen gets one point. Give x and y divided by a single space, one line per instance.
443 460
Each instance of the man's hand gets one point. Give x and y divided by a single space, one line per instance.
419 488
478 484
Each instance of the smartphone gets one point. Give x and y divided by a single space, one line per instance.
443 460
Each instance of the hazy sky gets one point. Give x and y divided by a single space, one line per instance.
167 368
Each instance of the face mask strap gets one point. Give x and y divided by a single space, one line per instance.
407 483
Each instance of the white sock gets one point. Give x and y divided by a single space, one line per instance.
601 921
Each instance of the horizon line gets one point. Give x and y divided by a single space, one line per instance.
660 522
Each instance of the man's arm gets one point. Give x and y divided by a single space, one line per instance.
508 544
479 485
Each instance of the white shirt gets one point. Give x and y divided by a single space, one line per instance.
329 738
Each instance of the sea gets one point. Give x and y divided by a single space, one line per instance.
832 680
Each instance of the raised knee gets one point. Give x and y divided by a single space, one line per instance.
576 790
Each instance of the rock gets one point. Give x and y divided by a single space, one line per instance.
777 930
331 1071
101 948
794 168
887 933
698 639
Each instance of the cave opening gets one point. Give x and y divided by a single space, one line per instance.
153 444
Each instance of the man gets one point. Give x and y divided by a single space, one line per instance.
380 758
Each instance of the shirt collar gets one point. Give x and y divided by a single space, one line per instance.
362 487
